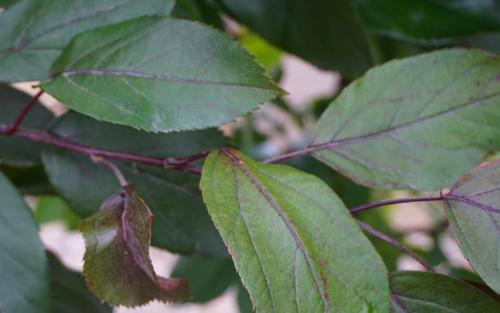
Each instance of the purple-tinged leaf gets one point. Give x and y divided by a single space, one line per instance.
473 208
117 264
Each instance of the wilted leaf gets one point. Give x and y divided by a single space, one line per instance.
473 209
159 74
18 151
24 285
416 123
181 221
430 20
292 240
33 33
323 32
420 292
117 264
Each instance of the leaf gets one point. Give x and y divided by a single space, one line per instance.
34 32
159 74
208 277
18 151
182 224
24 283
53 208
28 180
429 20
293 242
69 293
117 265
323 32
473 209
421 292
415 123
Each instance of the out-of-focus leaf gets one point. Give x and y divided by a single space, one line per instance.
17 151
198 10
6 3
421 292
159 74
28 180
434 19
53 208
117 265
181 221
69 293
473 209
24 284
33 33
208 277
293 242
264 53
397 126
323 32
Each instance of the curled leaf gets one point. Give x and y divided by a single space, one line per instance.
117 264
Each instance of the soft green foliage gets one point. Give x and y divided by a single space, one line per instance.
17 151
69 292
473 209
34 32
117 264
324 32
107 74
52 208
419 292
289 236
430 20
416 123
208 277
181 222
24 286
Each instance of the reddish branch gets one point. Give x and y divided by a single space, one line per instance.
9 130
375 204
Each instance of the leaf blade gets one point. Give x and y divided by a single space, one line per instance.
248 211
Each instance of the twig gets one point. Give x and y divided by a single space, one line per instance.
9 130
376 233
119 175
375 204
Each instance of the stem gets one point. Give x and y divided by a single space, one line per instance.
375 204
9 130
376 233
119 175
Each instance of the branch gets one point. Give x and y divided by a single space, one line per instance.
119 175
9 130
376 233
375 204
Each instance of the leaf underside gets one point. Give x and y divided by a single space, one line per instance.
473 209
117 265
416 123
144 73
295 246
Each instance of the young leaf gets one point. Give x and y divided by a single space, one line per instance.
181 221
473 209
421 292
324 32
34 32
69 293
436 19
159 74
117 265
294 244
18 151
416 123
24 285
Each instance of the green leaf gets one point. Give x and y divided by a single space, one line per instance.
323 32
6 3
24 285
473 209
415 123
293 242
117 265
208 277
53 208
159 74
69 293
18 151
34 32
420 292
28 180
181 221
429 20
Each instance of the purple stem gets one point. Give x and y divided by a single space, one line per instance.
375 204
